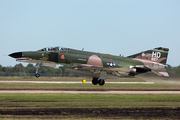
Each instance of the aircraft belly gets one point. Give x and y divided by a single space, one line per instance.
90 73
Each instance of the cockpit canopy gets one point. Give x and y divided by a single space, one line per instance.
50 49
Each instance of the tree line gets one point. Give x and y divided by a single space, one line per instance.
29 70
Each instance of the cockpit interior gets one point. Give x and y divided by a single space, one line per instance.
50 49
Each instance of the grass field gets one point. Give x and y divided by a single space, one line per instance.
38 86
57 119
86 101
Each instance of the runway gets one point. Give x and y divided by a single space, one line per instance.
72 82
83 92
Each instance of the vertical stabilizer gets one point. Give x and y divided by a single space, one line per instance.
158 55
154 59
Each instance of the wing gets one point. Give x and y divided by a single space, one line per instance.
95 71
98 71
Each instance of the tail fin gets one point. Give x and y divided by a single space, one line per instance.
155 60
158 55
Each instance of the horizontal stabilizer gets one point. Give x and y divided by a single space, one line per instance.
161 73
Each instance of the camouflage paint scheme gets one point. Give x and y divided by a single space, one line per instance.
99 66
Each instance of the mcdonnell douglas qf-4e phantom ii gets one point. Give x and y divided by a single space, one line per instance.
99 66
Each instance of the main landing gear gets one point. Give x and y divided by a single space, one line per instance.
95 81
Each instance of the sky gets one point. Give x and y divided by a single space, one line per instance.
114 27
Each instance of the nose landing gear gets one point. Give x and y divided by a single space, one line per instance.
37 67
37 75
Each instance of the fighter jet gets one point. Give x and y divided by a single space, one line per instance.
97 65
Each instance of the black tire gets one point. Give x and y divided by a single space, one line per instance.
101 82
95 81
37 75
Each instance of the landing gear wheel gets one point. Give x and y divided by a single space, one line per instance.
95 81
101 82
37 75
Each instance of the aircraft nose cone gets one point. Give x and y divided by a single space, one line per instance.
16 55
